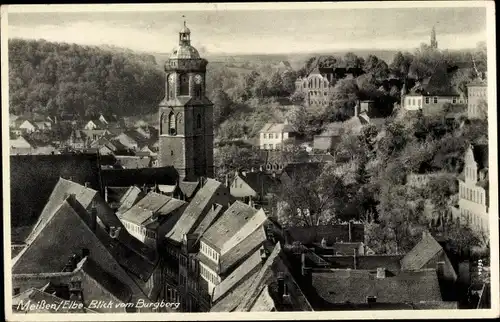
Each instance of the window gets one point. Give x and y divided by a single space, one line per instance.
454 100
426 100
265 135
172 124
435 100
198 121
265 146
270 146
413 102
184 86
270 135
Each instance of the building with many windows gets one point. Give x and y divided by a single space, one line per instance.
474 188
477 99
274 136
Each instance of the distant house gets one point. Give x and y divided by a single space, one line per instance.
474 188
24 146
131 139
477 93
431 94
77 139
274 135
329 138
43 125
253 187
101 122
28 126
317 86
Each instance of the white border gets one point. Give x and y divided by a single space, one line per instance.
341 315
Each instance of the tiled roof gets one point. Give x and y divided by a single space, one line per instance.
260 182
230 301
341 286
133 162
369 262
233 219
188 188
209 219
85 196
277 128
131 196
264 302
481 153
421 254
152 204
331 233
196 208
68 232
234 279
438 84
113 285
267 277
253 241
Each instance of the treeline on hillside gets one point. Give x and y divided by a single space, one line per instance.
370 182
82 80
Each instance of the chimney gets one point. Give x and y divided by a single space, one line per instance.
355 259
323 242
250 202
244 173
252 169
274 174
350 231
87 184
440 269
281 284
263 254
380 272
227 180
213 207
106 194
93 217
260 169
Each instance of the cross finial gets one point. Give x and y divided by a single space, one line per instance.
183 16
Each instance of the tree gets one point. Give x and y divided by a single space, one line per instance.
298 98
353 60
311 198
367 87
377 67
229 158
288 79
276 85
222 105
345 95
400 65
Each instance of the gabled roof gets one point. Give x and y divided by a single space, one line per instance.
85 196
189 188
368 262
198 206
153 204
337 286
253 241
260 182
267 277
209 219
66 233
233 219
129 198
439 84
277 128
478 82
422 253
232 298
242 272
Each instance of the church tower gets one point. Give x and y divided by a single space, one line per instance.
186 114
434 43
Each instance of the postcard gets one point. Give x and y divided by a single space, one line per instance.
250 161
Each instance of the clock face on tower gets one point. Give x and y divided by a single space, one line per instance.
198 79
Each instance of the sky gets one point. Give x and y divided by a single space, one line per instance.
261 31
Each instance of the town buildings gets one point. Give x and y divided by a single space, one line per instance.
477 99
317 86
474 189
273 136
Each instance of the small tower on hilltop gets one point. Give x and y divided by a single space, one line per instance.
434 43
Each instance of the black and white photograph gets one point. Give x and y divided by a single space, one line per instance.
327 160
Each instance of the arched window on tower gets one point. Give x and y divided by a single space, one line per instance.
172 124
197 90
184 86
198 121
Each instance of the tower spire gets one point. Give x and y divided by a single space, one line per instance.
434 43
